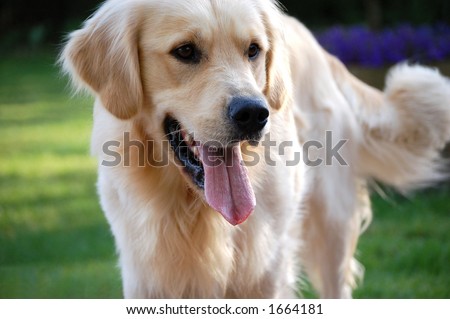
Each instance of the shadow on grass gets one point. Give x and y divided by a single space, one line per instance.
73 245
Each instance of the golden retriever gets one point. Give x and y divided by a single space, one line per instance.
202 111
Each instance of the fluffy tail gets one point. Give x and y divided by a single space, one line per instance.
404 128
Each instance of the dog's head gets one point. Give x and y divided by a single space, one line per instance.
203 74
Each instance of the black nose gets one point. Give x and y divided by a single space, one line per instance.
249 115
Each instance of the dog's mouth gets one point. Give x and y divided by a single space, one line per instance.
218 171
186 151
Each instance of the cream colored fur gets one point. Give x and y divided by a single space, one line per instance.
170 242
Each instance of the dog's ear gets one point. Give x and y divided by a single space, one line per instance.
276 90
103 56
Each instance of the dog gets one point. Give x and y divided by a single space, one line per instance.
202 109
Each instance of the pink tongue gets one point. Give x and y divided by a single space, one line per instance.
227 187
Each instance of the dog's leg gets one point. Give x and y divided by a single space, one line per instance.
330 238
394 136
398 137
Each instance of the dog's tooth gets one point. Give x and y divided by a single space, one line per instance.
196 151
187 138
191 140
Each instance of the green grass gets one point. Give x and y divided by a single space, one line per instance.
406 250
55 242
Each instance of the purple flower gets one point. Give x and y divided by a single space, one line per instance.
359 45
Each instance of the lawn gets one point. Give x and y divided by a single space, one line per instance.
55 242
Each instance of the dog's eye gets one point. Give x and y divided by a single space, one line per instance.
253 51
187 53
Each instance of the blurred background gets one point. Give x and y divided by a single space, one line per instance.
54 240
